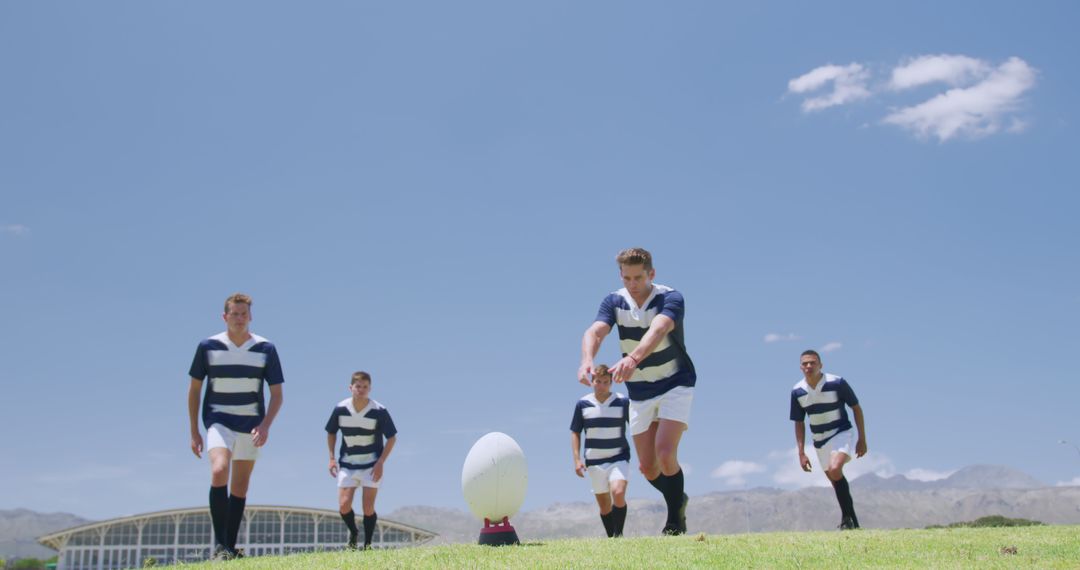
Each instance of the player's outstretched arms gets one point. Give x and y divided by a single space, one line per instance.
624 368
590 344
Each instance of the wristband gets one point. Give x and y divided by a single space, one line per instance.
636 361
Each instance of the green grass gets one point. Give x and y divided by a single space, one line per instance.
1035 547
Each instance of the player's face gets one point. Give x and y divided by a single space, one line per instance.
238 317
636 279
601 386
811 366
360 389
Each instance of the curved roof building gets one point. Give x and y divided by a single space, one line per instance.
185 535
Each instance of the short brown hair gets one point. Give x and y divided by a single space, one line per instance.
237 298
360 377
601 370
635 256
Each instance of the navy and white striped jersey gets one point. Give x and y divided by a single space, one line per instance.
234 395
669 365
605 428
824 405
362 432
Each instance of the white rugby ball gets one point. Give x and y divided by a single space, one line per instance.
494 477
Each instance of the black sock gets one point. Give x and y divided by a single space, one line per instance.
659 483
236 516
843 496
673 496
609 525
219 513
349 519
618 519
369 527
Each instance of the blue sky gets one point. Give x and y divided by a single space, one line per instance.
434 192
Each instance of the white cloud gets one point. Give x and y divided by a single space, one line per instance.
848 85
15 229
920 474
951 69
734 472
1074 482
975 111
831 346
777 337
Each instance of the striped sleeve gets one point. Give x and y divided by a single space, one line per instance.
607 311
846 394
198 365
386 425
673 306
798 414
332 424
577 423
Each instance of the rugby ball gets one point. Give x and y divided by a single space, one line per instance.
494 477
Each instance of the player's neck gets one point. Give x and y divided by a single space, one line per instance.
640 298
602 400
816 380
239 338
360 403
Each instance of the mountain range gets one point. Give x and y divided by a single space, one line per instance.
881 502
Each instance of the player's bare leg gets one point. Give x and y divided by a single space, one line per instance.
658 458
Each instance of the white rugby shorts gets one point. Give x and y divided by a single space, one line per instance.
356 478
602 476
672 405
843 442
238 443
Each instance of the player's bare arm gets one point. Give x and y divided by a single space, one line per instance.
377 469
800 443
331 443
575 446
590 345
193 397
659 328
262 432
860 445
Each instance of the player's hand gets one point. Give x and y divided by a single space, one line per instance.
584 372
860 448
260 434
196 444
623 369
804 462
376 471
579 468
333 468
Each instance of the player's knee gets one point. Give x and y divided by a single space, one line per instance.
666 456
649 470
834 474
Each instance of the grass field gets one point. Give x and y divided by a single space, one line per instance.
1025 547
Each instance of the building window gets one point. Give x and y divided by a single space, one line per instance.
159 531
299 529
197 529
265 528
333 532
122 534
